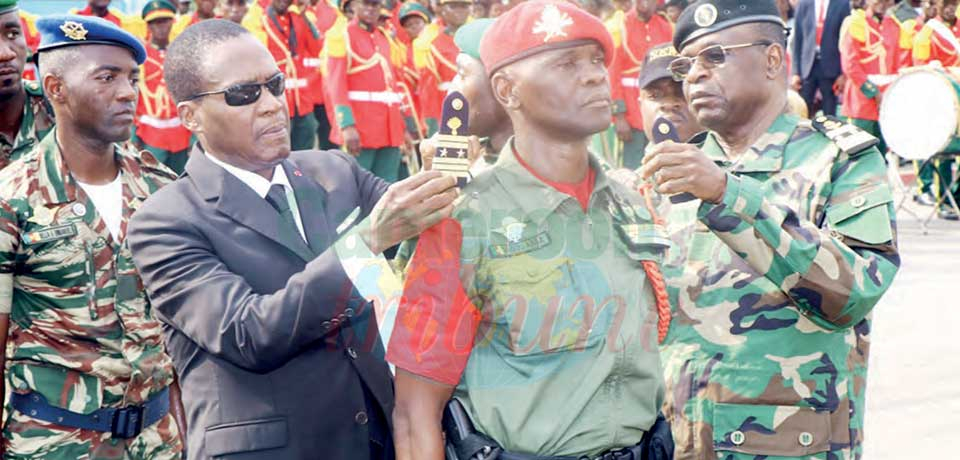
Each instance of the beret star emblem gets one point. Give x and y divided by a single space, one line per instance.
74 30
552 23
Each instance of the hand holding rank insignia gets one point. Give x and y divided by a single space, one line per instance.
664 130
452 141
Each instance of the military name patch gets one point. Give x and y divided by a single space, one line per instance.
519 247
50 234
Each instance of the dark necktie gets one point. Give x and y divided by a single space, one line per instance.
277 197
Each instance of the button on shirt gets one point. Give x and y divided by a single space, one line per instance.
261 186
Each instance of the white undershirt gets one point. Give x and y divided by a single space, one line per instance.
108 199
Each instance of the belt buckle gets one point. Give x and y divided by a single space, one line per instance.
127 422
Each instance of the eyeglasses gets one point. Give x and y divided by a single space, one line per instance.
247 93
710 57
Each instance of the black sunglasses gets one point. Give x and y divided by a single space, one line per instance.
247 93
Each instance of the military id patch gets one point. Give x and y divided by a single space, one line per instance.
50 234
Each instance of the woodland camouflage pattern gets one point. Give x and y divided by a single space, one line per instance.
37 121
81 331
772 291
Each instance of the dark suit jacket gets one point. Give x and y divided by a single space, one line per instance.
805 38
251 312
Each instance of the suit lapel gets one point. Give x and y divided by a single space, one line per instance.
239 202
311 199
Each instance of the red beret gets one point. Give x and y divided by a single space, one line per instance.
540 25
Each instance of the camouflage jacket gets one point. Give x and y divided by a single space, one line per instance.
37 121
772 290
81 331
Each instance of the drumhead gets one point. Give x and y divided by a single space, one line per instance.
918 115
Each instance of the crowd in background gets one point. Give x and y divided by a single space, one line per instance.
379 93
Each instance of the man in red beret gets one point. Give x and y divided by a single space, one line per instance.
538 305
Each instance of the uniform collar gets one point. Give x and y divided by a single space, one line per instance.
537 199
56 183
765 155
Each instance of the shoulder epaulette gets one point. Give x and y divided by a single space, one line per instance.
151 164
855 25
849 138
903 12
335 40
33 88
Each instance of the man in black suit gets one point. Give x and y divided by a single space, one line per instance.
816 52
243 258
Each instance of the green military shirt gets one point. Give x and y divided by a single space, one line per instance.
772 291
37 121
81 331
565 359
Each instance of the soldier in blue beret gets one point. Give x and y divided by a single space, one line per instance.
86 364
25 117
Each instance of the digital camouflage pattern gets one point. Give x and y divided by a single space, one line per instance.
81 330
36 123
772 289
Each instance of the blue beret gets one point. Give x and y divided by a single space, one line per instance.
71 30
708 16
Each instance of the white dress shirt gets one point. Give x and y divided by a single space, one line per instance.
370 273
261 186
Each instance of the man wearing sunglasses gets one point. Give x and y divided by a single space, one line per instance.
88 374
247 260
779 261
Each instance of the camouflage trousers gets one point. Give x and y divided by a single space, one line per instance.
26 438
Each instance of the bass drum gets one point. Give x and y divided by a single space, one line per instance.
920 113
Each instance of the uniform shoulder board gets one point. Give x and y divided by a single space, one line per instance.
849 138
33 88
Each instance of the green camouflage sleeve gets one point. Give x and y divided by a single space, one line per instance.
9 242
836 269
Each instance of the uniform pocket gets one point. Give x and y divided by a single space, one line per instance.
864 217
538 302
66 389
779 431
245 436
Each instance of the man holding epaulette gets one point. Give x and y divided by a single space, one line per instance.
639 30
25 116
862 56
435 57
158 127
548 347
364 89
290 38
205 9
778 260
899 26
88 374
102 10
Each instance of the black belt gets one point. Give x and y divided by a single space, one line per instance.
121 423
627 453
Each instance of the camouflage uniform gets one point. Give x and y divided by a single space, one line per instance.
37 122
81 331
565 359
772 289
